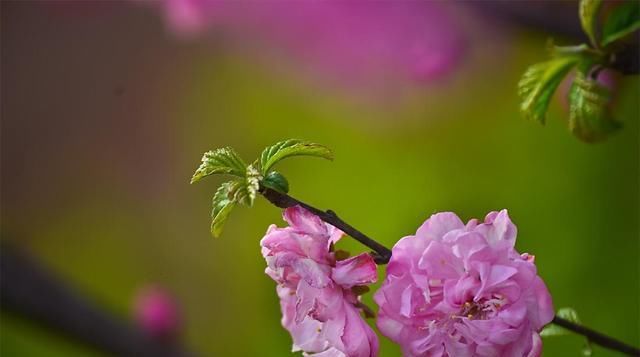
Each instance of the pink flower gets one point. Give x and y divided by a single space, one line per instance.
462 290
319 308
413 39
157 313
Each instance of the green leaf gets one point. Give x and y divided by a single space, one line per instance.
291 147
589 18
539 82
589 114
217 224
569 314
623 20
552 330
223 203
276 181
220 161
252 186
247 190
566 313
229 194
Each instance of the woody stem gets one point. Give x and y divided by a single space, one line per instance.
596 337
381 254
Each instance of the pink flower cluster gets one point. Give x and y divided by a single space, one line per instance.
451 290
462 290
319 306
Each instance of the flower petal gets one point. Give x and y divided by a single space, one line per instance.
358 270
440 262
498 227
439 224
316 275
304 221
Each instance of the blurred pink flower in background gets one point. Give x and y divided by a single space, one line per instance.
347 39
157 313
188 17
319 307
456 290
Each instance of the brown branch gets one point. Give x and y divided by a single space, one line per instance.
596 337
382 254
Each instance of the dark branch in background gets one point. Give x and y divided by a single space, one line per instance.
28 291
383 254
550 16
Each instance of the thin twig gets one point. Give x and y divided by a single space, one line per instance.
282 200
596 337
383 254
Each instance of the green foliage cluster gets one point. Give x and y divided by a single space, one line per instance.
248 179
610 31
552 330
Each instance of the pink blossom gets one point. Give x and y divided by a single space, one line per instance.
414 39
319 308
462 290
157 313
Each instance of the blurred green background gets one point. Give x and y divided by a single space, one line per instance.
105 117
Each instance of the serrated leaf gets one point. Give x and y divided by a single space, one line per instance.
220 161
292 147
244 196
589 115
589 18
539 82
223 203
253 185
248 189
217 224
623 20
224 194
